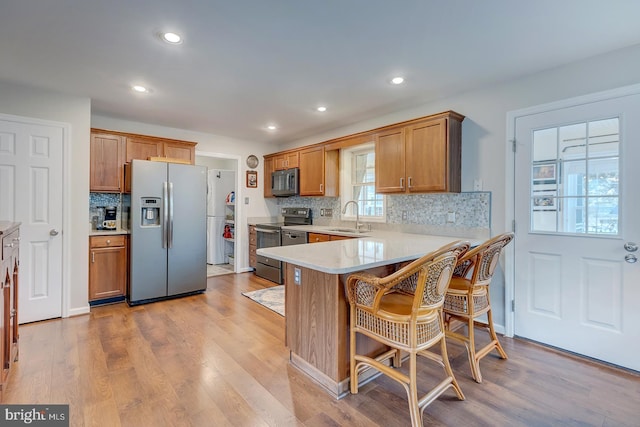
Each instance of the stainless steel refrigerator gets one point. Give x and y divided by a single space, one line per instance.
168 226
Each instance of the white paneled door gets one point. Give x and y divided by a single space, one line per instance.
31 168
577 282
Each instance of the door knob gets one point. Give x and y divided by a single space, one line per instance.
630 247
53 232
630 258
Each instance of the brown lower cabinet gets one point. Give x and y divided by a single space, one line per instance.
108 267
253 240
9 269
321 237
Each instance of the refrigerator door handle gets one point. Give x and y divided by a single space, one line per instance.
165 213
170 233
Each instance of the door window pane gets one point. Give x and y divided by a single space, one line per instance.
577 190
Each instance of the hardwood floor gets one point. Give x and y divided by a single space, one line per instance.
218 359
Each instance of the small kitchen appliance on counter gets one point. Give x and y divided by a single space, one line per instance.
110 214
106 218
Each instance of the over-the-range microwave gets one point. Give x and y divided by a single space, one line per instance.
285 183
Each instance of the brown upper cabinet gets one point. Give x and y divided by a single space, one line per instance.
142 148
286 160
107 154
417 156
110 151
319 172
424 156
269 167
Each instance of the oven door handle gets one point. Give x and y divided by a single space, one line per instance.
264 230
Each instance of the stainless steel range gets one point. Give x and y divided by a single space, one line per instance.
270 235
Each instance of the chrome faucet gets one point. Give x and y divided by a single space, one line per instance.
344 211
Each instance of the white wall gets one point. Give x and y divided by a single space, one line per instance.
76 111
484 140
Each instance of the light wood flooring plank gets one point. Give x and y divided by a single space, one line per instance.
218 359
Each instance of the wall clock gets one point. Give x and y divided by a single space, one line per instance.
252 161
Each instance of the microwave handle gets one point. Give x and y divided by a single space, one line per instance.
272 181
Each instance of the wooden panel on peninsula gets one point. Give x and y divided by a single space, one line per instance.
317 326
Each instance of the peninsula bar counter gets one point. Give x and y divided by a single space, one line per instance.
316 308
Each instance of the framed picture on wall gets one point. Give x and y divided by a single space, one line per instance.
252 179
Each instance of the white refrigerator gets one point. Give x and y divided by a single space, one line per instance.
219 184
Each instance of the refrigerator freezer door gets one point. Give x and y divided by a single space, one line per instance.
187 256
148 258
215 242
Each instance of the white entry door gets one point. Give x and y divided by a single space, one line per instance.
577 283
31 167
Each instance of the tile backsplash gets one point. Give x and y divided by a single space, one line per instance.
104 199
455 214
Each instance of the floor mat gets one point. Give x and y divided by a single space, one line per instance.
272 298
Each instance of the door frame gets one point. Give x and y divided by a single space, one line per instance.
66 205
238 247
512 116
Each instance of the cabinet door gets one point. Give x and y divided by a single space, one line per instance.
180 150
318 237
106 162
107 272
253 241
337 237
287 160
6 321
268 169
279 162
426 156
292 160
312 172
390 161
143 148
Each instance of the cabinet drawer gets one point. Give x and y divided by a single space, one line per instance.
9 242
317 237
107 241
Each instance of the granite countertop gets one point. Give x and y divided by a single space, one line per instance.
370 249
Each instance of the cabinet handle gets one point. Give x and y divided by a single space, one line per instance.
401 182
321 188
8 245
93 256
108 241
16 239
409 182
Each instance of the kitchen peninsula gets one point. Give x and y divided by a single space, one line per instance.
316 308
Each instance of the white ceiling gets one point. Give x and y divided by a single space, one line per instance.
247 63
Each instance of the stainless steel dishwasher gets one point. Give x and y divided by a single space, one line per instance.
293 237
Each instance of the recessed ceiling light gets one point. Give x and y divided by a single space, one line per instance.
272 127
172 38
140 89
397 80
322 109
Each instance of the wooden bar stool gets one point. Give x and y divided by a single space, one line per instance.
468 298
404 311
